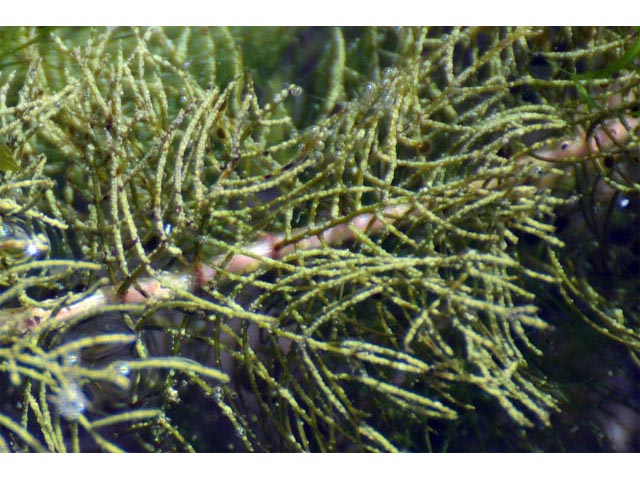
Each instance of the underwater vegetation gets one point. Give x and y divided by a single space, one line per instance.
319 239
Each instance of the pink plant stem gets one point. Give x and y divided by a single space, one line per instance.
605 137
276 246
169 285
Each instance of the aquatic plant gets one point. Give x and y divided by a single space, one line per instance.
314 239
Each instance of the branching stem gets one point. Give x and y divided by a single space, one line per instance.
276 246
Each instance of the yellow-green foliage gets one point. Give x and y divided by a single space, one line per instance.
139 151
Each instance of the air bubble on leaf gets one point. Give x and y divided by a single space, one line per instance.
186 64
217 392
72 358
295 90
368 90
38 246
388 99
32 250
123 368
623 202
19 246
387 72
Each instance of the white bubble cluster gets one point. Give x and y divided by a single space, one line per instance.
70 402
217 392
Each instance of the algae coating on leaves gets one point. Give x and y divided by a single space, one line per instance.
316 239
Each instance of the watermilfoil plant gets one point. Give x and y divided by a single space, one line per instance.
317 239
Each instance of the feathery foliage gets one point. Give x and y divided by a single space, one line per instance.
145 155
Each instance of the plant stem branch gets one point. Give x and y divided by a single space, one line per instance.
275 246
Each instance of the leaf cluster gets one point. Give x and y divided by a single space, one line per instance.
140 151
